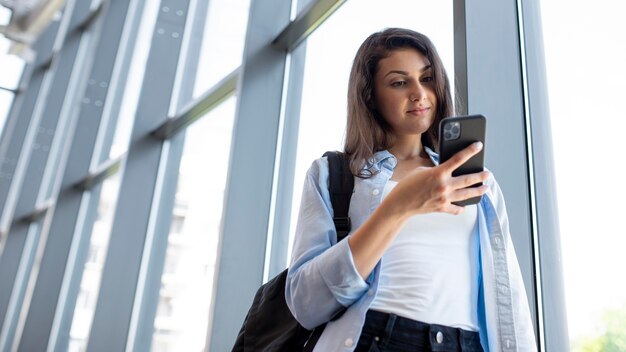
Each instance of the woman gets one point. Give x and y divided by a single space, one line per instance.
417 272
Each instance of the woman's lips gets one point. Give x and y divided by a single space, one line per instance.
419 111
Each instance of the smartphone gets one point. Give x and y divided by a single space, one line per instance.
457 133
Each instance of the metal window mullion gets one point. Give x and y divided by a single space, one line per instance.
60 121
24 188
77 256
247 204
9 90
554 335
50 102
97 176
97 93
149 284
286 156
17 123
490 80
195 109
11 146
30 233
140 190
307 20
148 290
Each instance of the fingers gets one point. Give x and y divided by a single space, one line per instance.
453 209
468 180
461 157
467 193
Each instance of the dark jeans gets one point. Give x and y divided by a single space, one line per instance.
389 332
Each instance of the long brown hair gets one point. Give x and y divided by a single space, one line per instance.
367 131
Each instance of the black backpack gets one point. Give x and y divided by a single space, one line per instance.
269 324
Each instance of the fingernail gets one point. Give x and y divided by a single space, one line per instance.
478 145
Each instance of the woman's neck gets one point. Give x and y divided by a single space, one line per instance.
408 148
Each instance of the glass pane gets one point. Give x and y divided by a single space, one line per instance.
92 272
223 42
11 71
5 15
326 76
588 124
11 67
135 79
187 283
6 99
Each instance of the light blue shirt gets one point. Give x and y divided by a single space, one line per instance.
323 278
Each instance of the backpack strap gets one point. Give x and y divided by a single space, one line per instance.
340 186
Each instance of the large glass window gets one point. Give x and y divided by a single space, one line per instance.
324 95
11 68
92 271
223 42
586 85
187 282
10 65
6 99
136 72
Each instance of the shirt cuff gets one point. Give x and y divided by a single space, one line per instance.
340 274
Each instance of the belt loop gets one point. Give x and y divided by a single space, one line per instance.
391 321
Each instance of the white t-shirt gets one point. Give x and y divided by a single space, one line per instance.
430 272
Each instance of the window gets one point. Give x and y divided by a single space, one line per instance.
6 99
126 116
11 68
187 282
586 84
223 42
92 272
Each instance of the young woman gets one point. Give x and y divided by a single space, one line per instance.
417 273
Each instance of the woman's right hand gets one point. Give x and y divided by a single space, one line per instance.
424 190
433 189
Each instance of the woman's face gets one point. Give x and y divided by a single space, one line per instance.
404 92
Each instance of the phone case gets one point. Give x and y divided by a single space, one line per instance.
472 129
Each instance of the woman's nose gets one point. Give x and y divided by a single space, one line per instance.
417 93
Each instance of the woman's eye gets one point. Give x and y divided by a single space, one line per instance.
398 83
427 79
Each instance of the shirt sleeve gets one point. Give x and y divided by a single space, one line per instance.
322 278
524 330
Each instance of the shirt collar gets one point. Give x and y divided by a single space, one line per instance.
433 155
384 158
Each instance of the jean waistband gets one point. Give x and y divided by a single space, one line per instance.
440 337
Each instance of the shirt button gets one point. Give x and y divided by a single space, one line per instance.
375 192
439 337
348 342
